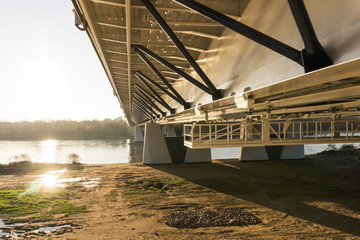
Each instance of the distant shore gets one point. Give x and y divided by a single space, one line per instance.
65 130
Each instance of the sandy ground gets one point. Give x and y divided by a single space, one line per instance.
315 198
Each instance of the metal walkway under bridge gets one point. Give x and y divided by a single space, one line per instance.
271 132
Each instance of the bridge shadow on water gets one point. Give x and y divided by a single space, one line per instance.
286 186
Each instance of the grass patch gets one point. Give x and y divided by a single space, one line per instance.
177 182
37 205
112 196
24 167
157 190
64 207
134 193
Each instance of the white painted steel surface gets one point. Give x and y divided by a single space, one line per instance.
271 133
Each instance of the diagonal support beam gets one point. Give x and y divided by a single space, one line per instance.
166 28
141 112
148 100
244 30
314 56
145 77
178 98
142 108
173 68
146 105
158 98
146 93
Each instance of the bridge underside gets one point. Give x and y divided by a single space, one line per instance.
236 73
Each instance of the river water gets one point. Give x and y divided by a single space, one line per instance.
97 151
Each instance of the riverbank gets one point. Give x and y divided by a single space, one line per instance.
316 198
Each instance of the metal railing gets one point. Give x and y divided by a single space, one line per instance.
271 132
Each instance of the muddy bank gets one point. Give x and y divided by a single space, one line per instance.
316 198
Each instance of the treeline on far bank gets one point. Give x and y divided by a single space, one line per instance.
65 130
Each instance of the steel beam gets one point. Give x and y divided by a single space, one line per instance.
144 92
128 45
142 114
162 23
314 56
158 98
142 108
145 106
185 104
173 68
178 98
147 99
244 30
145 77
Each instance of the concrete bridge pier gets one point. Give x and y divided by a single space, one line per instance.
160 149
138 134
275 153
271 153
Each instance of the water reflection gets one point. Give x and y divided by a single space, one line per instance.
135 151
48 150
57 151
51 180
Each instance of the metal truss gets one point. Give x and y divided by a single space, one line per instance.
162 23
178 97
147 100
268 132
311 58
173 68
158 98
145 106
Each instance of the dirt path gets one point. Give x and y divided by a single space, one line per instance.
317 198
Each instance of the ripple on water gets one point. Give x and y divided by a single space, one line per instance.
8 234
50 229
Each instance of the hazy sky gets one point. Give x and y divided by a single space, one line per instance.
48 68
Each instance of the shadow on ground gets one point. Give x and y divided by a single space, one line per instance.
287 186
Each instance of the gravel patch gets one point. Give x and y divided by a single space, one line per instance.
211 218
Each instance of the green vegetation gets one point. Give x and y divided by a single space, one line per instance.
112 196
345 148
65 130
36 204
177 182
74 158
157 190
23 167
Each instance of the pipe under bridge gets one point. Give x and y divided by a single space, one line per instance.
251 73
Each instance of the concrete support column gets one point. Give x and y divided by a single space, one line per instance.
155 148
274 152
138 134
198 155
271 153
159 149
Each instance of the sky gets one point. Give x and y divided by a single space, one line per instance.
48 68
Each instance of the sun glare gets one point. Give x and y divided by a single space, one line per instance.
48 150
49 180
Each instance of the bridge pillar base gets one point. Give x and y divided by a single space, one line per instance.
159 149
155 147
138 134
271 153
198 155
